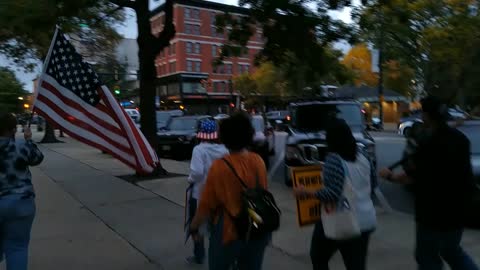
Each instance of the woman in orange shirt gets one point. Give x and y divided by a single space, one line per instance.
221 199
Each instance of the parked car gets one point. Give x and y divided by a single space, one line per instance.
405 128
179 137
306 142
134 114
406 123
264 139
164 118
221 116
471 129
278 117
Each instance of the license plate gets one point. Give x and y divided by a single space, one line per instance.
166 147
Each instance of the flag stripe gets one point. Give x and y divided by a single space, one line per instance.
127 124
106 116
54 95
83 135
78 122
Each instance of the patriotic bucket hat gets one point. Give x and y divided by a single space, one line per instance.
208 130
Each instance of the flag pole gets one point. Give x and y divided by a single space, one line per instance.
44 70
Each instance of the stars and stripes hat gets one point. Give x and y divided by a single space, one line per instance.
208 130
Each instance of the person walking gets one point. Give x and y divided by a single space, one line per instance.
221 199
203 156
441 176
343 163
17 197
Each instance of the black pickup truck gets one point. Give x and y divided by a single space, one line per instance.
306 142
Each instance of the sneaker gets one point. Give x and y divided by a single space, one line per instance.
193 260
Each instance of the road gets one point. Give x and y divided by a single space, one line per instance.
389 148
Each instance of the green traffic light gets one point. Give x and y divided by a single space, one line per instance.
117 92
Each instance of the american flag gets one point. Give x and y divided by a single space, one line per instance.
71 96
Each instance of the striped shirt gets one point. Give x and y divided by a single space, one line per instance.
334 178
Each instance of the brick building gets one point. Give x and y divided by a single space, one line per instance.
185 66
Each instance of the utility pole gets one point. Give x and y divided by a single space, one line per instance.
380 68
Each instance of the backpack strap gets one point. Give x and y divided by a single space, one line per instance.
235 173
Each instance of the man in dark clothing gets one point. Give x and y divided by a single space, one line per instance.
440 172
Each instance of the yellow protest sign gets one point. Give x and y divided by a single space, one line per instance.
308 210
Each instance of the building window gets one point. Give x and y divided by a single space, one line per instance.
223 87
214 50
189 47
196 14
193 29
219 69
197 48
216 33
196 29
189 66
228 68
242 68
173 48
213 18
173 67
188 13
198 66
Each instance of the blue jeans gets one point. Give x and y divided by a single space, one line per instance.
247 255
433 246
16 219
199 245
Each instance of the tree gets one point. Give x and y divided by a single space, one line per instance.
267 80
291 29
10 91
432 37
359 61
27 27
399 78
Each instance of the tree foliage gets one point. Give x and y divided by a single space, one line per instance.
436 38
266 80
291 29
359 61
27 26
10 90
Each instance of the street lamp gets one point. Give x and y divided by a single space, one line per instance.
20 98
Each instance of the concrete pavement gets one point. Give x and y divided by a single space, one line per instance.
88 218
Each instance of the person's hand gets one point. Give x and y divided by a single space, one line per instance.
302 192
27 133
386 173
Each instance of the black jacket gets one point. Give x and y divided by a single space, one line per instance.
443 178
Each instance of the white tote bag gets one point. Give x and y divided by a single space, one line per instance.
340 222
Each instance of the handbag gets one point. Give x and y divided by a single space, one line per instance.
340 222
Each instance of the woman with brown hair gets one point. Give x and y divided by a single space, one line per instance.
221 199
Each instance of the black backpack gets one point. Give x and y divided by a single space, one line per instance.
259 213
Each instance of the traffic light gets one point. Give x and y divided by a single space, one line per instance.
116 90
232 105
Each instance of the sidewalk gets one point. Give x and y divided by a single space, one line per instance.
88 218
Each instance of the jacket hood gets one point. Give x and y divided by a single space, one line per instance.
214 149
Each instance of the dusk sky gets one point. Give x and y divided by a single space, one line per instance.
128 30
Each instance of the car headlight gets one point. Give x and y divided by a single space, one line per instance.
293 152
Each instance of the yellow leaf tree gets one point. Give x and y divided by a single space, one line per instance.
359 61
